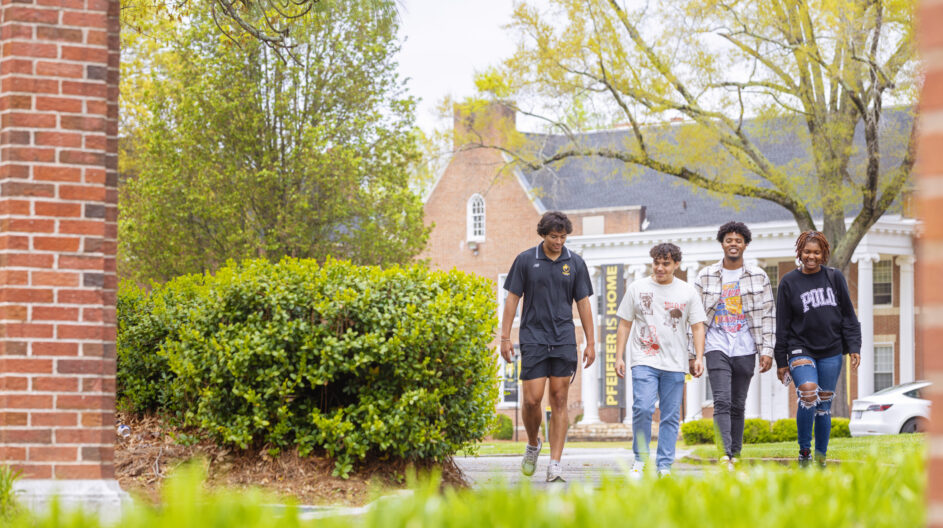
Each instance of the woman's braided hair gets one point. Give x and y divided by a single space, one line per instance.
813 236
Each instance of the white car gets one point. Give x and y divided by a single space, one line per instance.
897 409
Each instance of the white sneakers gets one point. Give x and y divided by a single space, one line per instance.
638 471
555 472
529 464
729 462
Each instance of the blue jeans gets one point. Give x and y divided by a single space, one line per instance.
815 404
649 384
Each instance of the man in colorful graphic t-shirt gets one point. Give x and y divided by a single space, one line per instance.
654 318
739 304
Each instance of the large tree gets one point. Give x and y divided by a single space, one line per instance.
230 152
273 23
738 74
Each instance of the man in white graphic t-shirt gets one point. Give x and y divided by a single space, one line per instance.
738 301
654 318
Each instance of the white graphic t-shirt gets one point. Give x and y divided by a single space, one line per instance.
729 332
661 315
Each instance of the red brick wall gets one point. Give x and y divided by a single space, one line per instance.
929 265
58 212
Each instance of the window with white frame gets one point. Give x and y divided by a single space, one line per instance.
502 297
883 366
508 374
883 282
772 271
476 218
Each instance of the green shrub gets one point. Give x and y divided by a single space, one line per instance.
784 430
346 359
840 428
503 428
145 322
757 431
698 431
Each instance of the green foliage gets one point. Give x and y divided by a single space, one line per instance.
349 360
503 428
228 152
887 491
8 504
757 431
785 430
698 431
840 428
582 65
145 321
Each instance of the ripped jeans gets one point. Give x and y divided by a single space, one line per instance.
815 381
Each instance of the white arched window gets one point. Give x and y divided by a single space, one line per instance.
476 218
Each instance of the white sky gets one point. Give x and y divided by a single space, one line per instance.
446 42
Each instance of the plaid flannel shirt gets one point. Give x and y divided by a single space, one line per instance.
756 295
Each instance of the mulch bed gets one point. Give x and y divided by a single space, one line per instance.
145 458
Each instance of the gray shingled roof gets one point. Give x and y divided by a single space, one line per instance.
596 182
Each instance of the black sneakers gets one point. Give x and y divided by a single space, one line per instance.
805 457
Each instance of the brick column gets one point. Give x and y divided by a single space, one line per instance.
58 211
930 249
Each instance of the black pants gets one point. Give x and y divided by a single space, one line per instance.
730 381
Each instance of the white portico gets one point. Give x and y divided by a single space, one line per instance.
884 261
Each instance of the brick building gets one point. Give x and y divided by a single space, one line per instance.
929 171
486 213
58 213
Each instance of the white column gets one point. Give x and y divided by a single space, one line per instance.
781 395
754 396
866 316
906 289
694 398
766 394
589 392
694 389
633 273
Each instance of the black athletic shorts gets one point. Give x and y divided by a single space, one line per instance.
541 361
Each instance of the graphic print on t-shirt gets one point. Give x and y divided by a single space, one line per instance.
646 305
649 339
674 318
729 314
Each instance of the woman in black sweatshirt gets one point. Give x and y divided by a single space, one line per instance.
815 326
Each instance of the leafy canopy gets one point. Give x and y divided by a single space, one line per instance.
230 152
739 75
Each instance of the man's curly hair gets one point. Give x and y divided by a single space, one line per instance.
666 250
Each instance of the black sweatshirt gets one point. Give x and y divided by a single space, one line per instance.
815 317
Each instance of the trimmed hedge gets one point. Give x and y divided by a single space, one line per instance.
698 432
503 428
346 359
756 431
840 428
785 430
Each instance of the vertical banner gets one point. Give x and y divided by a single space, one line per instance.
613 387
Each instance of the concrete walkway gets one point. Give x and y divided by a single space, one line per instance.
583 465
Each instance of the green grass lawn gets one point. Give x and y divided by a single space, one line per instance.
845 449
839 448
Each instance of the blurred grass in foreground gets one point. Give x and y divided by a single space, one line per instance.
883 491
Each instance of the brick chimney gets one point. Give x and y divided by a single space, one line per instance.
487 123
